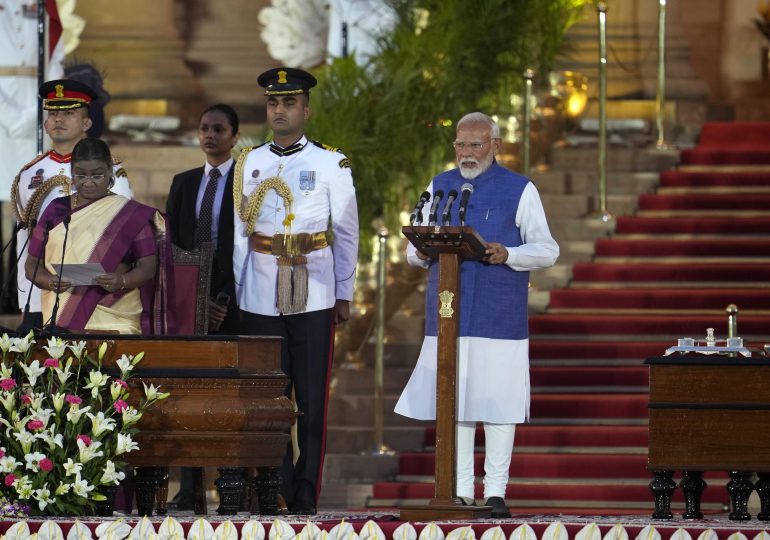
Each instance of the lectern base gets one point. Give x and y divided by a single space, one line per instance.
443 512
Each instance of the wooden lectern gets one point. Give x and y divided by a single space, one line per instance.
449 245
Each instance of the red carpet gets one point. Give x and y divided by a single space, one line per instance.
656 279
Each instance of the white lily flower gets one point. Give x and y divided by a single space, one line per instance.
51 438
37 399
82 487
111 476
102 351
22 345
56 347
125 365
138 358
23 487
125 444
152 393
43 497
96 379
44 415
5 372
33 460
8 399
63 489
77 349
72 468
33 371
74 414
5 343
64 374
8 464
89 452
131 416
100 423
58 401
26 439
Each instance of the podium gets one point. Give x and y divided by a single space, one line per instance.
450 245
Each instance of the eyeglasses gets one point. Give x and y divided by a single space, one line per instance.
473 146
95 178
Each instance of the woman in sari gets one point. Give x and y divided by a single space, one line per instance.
128 240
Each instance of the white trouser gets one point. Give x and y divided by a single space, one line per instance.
497 460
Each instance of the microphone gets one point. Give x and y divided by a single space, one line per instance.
467 189
417 212
13 275
446 216
433 216
52 323
25 326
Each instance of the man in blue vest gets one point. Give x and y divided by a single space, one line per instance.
493 367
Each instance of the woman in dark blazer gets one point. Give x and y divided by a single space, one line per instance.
200 208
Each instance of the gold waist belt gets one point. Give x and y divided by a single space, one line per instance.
294 244
18 71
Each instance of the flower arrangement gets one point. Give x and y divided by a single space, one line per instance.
65 424
763 22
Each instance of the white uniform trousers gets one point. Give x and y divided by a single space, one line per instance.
497 459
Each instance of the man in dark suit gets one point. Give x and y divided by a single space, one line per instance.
200 209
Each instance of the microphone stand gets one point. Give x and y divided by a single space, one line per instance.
51 327
25 327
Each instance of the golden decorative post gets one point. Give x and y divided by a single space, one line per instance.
529 74
604 214
732 320
660 98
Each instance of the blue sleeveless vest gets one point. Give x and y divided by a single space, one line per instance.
493 298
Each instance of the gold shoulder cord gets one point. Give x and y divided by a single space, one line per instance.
249 211
36 200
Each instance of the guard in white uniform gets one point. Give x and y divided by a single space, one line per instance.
294 259
48 176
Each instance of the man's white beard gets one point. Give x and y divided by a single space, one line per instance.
469 173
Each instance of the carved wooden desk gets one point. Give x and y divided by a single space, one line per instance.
709 413
227 409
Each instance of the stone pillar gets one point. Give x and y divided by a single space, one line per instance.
138 47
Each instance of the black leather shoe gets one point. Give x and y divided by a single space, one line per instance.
499 510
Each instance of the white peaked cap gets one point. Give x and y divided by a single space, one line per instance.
143 529
18 531
343 528
618 532
371 531
280 530
170 529
431 532
523 532
494 533
78 531
648 533
114 530
200 529
50 530
589 532
254 530
462 533
555 531
708 534
406 531
226 531
682 534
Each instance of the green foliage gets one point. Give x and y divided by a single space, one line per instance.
394 117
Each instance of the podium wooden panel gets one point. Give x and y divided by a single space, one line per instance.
450 245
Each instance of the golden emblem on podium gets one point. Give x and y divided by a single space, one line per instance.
446 311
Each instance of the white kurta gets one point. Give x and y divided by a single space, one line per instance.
30 179
493 374
322 186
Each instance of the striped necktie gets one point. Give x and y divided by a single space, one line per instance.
203 229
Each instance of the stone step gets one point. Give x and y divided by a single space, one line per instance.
557 276
584 182
360 440
360 467
618 159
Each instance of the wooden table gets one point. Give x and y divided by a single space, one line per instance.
709 413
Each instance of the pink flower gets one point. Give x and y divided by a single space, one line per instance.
26 399
9 479
120 405
85 438
72 399
51 362
121 382
46 464
33 425
2 452
7 384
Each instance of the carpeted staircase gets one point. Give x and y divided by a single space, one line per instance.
697 244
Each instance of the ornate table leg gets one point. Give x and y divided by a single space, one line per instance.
692 485
268 480
161 495
763 490
739 487
662 487
230 487
147 479
199 491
